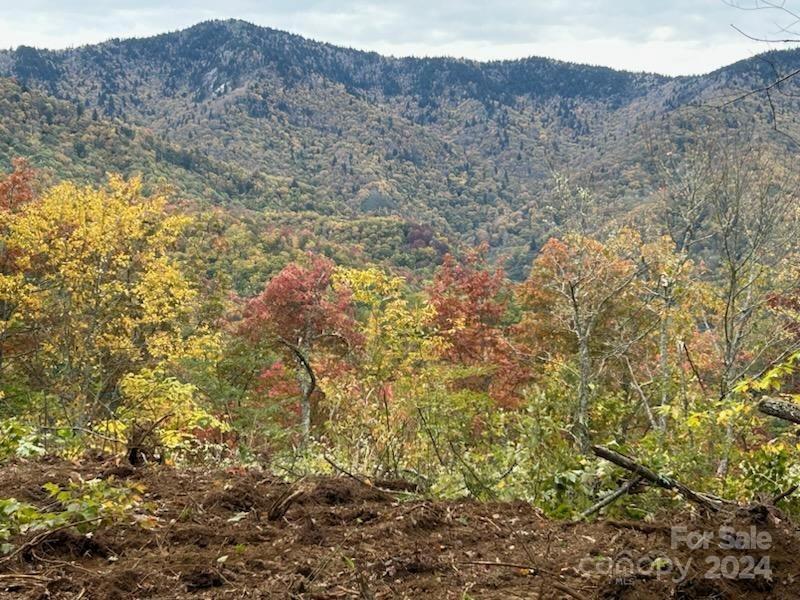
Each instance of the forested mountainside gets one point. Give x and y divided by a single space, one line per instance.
239 114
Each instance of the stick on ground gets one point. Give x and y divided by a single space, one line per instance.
37 539
555 584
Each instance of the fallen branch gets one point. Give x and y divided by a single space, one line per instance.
638 526
398 485
783 409
568 590
661 481
785 494
491 563
610 498
24 576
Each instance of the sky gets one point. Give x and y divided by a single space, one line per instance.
673 37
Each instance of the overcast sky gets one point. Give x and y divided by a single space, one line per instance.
666 36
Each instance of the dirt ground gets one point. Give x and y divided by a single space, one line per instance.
343 539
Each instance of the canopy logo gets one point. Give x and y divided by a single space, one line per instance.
732 562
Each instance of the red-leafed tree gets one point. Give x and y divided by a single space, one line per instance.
788 305
472 303
301 313
17 188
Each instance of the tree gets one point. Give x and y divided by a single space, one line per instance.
575 293
754 221
99 295
740 203
473 314
381 397
470 302
16 191
397 333
301 312
778 84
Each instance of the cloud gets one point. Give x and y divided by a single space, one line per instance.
673 37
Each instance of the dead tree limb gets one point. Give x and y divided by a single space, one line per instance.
284 500
661 481
785 494
362 481
610 498
783 409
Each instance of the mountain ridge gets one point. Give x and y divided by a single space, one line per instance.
28 63
237 22
243 23
465 147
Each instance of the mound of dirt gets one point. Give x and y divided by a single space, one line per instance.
344 539
343 492
66 544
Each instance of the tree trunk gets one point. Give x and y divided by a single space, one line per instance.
582 416
722 467
307 382
663 345
610 498
305 401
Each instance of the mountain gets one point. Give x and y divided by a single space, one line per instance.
242 115
68 140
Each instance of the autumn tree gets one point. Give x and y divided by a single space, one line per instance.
472 305
100 296
16 191
381 397
733 199
670 292
754 221
300 312
576 292
398 333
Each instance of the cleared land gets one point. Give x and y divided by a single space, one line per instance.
341 538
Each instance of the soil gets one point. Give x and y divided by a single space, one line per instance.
234 534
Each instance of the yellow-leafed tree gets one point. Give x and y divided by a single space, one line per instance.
98 294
